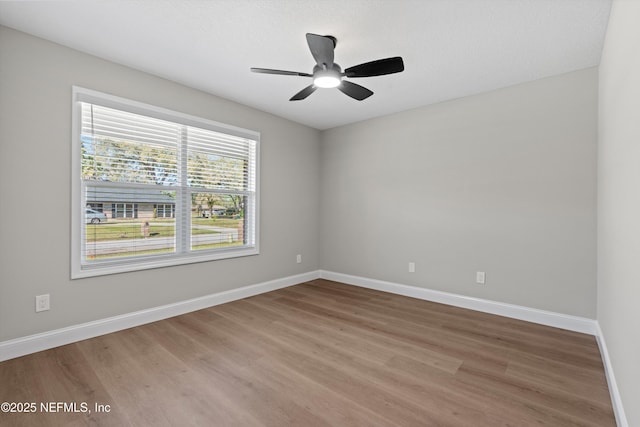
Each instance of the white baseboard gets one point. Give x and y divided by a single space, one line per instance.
543 317
616 400
46 340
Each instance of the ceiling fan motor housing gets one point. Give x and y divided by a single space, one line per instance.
335 69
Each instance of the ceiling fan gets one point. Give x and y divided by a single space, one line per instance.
328 74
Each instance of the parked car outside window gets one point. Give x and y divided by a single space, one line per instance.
94 217
214 212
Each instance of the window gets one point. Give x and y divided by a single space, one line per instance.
124 210
154 188
165 211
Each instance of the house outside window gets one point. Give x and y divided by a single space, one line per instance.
158 187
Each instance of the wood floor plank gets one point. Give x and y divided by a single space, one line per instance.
330 366
264 353
384 301
471 325
58 375
320 354
153 387
377 347
552 405
434 339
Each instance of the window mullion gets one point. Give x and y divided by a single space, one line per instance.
183 207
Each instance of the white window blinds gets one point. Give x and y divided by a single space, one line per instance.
157 188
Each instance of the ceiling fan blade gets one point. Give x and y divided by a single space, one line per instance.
321 48
379 67
280 72
303 93
355 91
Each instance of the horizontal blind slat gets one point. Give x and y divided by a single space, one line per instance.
108 123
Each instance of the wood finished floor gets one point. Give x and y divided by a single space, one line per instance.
320 354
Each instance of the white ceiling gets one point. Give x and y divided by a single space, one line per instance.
451 48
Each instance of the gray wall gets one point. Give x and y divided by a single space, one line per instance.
35 184
503 182
619 201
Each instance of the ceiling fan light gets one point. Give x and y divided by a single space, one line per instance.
326 79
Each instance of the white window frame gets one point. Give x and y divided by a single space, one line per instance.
183 255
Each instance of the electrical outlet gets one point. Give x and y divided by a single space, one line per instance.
480 277
299 258
42 303
412 267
